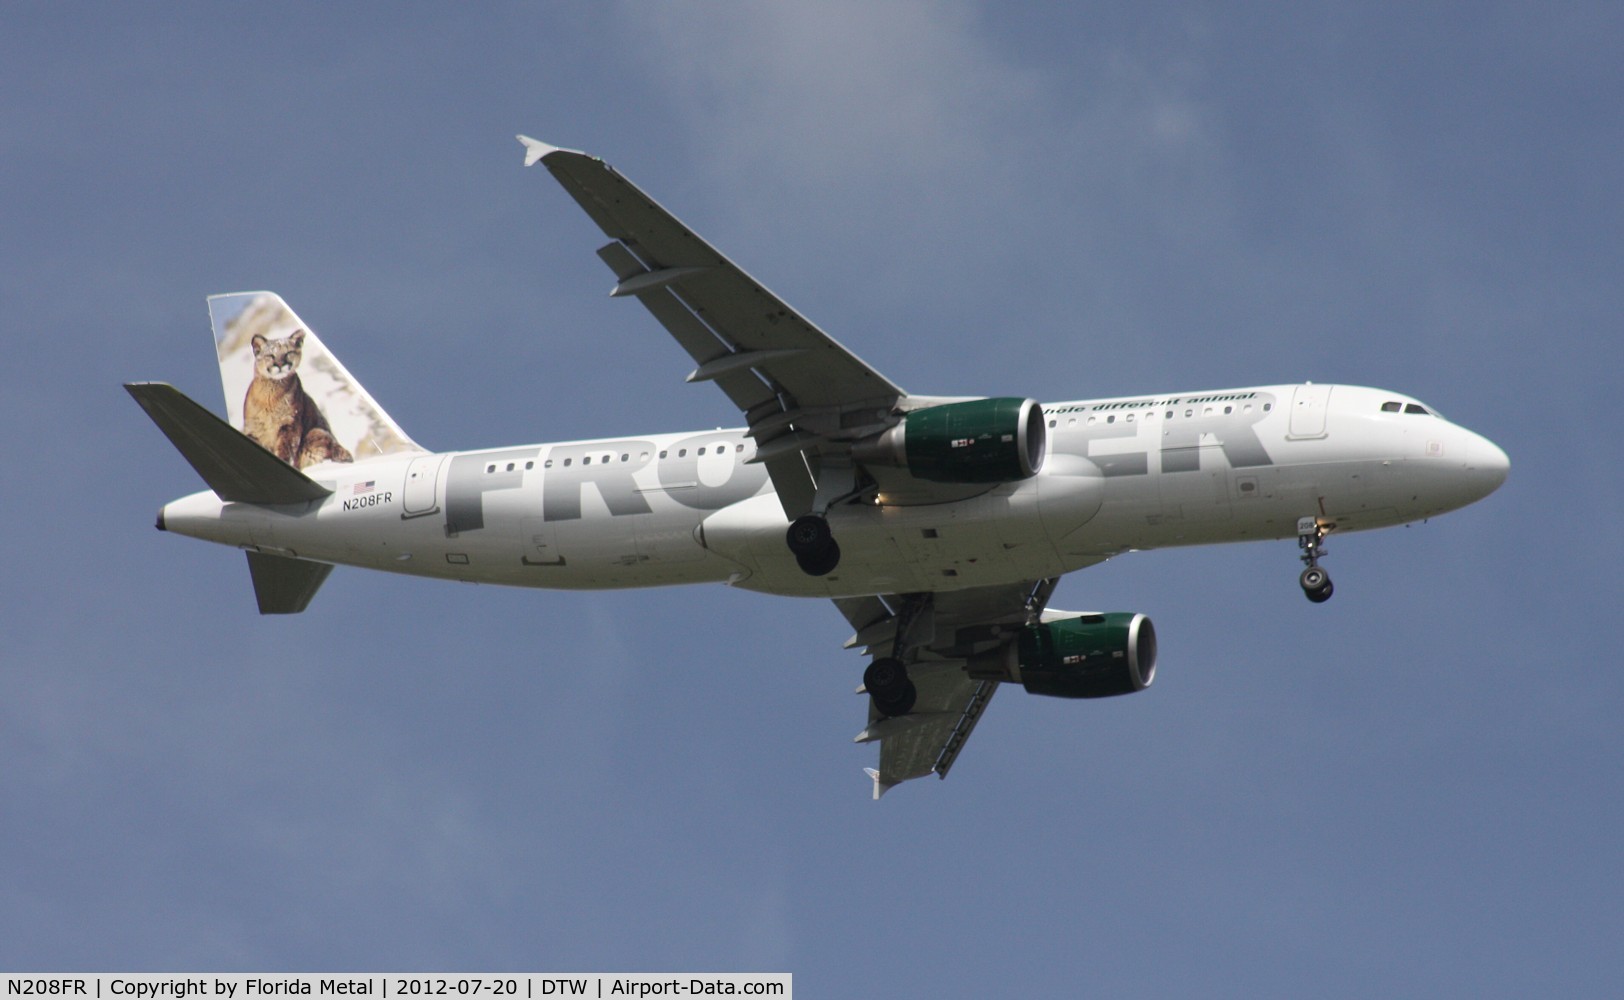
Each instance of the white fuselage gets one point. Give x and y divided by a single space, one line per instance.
1121 474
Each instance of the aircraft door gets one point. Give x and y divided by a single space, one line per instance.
421 492
1309 404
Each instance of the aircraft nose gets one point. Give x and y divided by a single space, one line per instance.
1488 463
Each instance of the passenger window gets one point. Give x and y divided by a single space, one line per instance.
1229 409
490 468
682 452
662 454
567 462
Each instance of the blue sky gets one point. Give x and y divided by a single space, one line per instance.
1413 789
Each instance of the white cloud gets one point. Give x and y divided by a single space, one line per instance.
820 93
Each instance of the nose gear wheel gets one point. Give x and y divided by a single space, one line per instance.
1316 583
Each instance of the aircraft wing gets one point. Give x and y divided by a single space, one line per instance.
797 387
940 633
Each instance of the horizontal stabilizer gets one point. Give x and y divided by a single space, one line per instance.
235 467
284 586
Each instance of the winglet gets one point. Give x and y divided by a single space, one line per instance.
880 788
534 149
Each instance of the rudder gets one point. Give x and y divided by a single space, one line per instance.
288 392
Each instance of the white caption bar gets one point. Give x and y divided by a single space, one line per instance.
384 986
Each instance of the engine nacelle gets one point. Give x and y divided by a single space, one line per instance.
977 441
1088 656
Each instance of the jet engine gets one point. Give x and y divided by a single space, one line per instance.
976 441
1085 656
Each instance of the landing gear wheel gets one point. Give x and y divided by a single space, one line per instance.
887 682
1316 584
813 544
808 535
822 563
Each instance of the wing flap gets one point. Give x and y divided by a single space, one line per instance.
948 703
939 637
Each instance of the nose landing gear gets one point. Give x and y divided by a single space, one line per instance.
1316 583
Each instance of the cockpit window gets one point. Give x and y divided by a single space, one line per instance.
1394 406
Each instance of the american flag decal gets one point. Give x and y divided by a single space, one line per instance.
363 487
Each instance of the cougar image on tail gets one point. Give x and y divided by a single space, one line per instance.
279 414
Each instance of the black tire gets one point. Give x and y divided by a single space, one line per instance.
820 564
1316 584
809 535
887 682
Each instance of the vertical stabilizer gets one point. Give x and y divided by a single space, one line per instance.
286 391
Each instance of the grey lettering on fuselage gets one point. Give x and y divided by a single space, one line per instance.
1131 463
1180 436
608 465
467 482
1181 441
679 474
612 466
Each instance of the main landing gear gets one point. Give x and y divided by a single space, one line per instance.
808 536
886 679
887 682
1316 583
814 546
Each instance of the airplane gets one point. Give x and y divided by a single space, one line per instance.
939 526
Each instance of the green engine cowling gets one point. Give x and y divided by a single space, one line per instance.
997 440
1090 656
